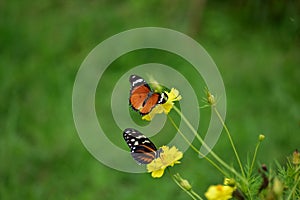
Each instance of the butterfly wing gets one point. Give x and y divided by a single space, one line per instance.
142 98
141 148
150 103
137 81
138 95
142 156
139 92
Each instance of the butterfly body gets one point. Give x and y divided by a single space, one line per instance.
141 148
142 98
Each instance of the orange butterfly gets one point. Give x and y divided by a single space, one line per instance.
142 98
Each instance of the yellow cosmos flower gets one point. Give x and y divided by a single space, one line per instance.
219 192
168 157
173 95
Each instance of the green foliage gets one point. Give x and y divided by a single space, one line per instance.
42 44
289 174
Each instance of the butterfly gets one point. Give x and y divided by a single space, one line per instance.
142 149
142 98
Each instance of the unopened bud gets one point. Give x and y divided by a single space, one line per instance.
210 99
261 137
229 182
296 157
277 187
183 182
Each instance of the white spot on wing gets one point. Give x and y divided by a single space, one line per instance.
161 98
137 81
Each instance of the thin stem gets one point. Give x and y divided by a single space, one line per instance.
195 149
254 158
190 193
231 141
208 148
196 195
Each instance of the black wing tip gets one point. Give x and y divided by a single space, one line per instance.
130 131
163 98
134 77
126 130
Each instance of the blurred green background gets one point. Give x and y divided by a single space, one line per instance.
255 45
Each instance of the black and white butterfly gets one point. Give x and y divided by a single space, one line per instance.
141 148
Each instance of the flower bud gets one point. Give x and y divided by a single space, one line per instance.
296 157
277 187
229 182
210 99
261 137
185 184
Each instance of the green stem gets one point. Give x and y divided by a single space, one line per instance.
254 158
196 150
208 148
191 193
231 141
196 195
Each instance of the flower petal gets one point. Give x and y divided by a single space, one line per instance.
156 110
168 157
158 173
219 192
173 95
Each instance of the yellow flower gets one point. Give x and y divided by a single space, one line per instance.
219 192
168 157
173 95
